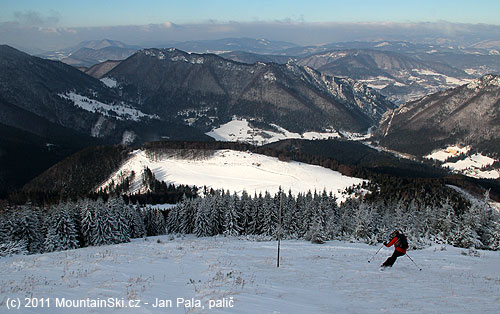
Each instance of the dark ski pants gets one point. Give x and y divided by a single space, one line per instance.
390 261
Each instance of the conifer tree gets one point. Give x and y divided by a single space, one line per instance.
88 214
203 226
135 222
232 218
28 228
173 218
363 219
246 217
269 216
61 233
188 215
154 222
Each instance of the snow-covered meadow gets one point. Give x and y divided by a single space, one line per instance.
239 130
242 276
235 171
469 165
121 112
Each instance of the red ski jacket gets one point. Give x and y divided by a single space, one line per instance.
395 241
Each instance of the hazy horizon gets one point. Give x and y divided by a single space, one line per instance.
50 25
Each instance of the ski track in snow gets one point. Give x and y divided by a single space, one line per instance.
330 278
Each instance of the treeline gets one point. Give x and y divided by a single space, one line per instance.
158 192
311 216
317 217
28 229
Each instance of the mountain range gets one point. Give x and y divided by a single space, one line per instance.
89 53
466 115
207 90
51 110
399 77
166 93
402 71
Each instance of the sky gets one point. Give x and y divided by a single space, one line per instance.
51 24
89 13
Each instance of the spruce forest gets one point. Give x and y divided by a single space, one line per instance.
312 216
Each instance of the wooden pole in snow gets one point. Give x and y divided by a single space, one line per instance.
279 228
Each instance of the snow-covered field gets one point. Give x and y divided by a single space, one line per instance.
239 130
469 166
120 112
109 82
235 171
450 151
242 276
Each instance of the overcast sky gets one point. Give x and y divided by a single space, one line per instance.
51 24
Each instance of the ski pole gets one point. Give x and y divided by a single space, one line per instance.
375 253
414 262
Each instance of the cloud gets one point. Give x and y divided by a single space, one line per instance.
51 37
32 18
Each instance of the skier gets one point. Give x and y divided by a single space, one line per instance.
400 245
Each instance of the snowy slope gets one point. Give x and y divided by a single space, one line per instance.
236 171
239 130
450 151
109 82
121 112
471 166
330 278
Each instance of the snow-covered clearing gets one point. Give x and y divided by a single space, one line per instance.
469 166
121 112
242 275
235 171
239 130
109 82
450 151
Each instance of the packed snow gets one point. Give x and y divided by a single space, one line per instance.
234 275
239 130
121 112
234 171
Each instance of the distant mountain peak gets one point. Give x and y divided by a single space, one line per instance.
467 115
192 84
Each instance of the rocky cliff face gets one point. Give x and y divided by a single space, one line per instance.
400 77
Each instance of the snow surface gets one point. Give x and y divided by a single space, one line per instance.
330 278
450 151
109 82
235 171
121 112
470 166
239 130
482 82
